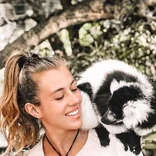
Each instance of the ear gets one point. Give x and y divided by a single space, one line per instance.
33 110
87 88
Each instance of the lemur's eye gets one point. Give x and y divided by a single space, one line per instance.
124 105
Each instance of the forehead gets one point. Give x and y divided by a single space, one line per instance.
53 78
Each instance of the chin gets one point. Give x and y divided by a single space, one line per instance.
77 124
117 99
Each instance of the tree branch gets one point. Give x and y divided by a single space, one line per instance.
90 10
65 4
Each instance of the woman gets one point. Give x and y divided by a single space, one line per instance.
42 93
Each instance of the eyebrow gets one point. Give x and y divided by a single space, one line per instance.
62 88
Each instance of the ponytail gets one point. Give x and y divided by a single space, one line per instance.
18 135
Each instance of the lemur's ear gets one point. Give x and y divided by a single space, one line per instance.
87 88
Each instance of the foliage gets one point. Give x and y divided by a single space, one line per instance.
133 43
149 143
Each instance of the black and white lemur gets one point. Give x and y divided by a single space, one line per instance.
121 99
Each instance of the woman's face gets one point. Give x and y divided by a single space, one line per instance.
60 99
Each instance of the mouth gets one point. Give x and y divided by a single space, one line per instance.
109 122
118 122
73 113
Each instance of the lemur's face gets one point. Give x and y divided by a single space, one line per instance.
122 104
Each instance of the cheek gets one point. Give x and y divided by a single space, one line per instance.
50 107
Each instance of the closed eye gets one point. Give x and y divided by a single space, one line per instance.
75 89
60 98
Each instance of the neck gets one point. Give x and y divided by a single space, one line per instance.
61 141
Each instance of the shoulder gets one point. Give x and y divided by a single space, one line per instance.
36 150
93 147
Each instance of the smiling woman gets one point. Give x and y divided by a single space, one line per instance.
42 90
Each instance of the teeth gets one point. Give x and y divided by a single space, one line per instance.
72 113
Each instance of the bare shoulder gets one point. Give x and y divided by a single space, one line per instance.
36 150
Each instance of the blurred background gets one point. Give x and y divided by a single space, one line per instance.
83 31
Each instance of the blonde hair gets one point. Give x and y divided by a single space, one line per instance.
19 128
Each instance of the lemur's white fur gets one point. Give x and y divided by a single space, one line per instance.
89 116
136 112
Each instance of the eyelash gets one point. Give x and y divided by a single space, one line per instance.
60 98
73 90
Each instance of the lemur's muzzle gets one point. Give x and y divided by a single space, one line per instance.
110 118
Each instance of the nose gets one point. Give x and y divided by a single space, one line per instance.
74 98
